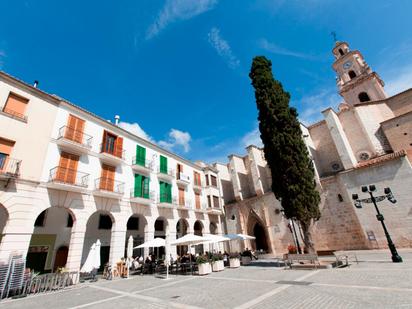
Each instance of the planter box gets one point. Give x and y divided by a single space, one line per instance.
204 269
234 263
218 266
246 260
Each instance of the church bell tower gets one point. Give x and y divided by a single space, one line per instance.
355 79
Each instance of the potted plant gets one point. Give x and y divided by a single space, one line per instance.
234 260
217 262
203 265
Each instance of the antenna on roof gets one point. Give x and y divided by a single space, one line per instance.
36 83
116 119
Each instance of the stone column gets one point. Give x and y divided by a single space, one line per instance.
117 244
148 235
74 257
16 238
339 138
235 179
254 170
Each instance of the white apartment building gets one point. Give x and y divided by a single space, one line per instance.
69 177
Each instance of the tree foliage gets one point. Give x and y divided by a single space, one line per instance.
293 176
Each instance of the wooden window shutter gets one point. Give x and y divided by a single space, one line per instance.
163 164
104 142
162 191
140 155
197 200
75 127
119 147
137 185
67 169
107 177
16 105
169 192
6 146
181 196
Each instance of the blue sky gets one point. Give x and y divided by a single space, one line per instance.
176 71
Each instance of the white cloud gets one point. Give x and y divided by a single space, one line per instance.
311 106
399 81
276 49
177 139
252 138
222 47
135 129
176 10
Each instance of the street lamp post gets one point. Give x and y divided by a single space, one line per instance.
396 258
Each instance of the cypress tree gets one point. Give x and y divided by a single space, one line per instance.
293 175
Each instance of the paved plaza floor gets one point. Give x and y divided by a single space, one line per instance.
375 282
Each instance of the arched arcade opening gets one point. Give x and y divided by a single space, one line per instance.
198 230
136 227
4 218
182 227
160 228
49 243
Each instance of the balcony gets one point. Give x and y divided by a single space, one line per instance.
67 179
197 186
13 114
9 167
142 165
111 155
74 141
182 180
166 201
165 175
107 187
200 208
214 210
185 205
143 198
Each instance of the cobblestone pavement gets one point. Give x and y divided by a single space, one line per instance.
375 282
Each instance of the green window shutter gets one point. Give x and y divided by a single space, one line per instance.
140 155
169 192
163 164
162 191
137 185
146 187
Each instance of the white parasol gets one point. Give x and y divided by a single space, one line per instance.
129 253
157 242
90 260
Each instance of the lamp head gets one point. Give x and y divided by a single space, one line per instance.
364 189
355 196
387 190
372 188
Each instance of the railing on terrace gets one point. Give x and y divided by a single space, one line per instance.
170 172
114 151
167 198
10 166
69 176
144 194
142 162
109 184
14 114
76 136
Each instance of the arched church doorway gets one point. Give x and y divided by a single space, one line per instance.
52 231
136 227
260 234
99 227
198 230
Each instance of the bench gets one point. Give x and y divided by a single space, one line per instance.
312 258
344 258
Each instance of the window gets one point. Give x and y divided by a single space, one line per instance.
16 106
74 129
165 192
159 225
69 220
133 223
105 222
207 180
163 165
141 186
341 52
140 155
40 219
107 178
197 200
67 169
213 180
209 202
216 202
181 197
352 74
340 198
112 144
6 147
363 97
196 179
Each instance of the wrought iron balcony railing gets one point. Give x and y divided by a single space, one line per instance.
9 166
144 194
142 162
109 184
69 176
75 136
114 151
166 198
169 172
